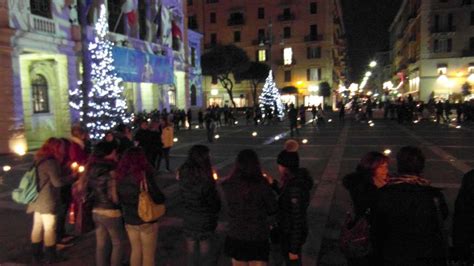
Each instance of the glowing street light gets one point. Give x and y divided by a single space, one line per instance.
387 152
304 141
175 140
373 64
254 133
7 168
368 74
217 136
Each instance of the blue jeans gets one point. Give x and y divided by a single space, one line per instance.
201 251
108 231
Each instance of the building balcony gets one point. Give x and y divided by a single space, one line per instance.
286 17
235 22
260 41
43 25
281 62
313 38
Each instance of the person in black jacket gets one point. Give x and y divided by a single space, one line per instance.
370 175
134 171
106 210
201 205
463 220
250 203
293 118
293 201
408 216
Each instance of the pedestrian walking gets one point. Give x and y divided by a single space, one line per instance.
201 119
48 160
154 147
210 128
370 175
408 216
133 172
342 111
250 202
314 111
302 113
167 138
439 112
189 116
109 227
293 201
293 119
447 110
201 206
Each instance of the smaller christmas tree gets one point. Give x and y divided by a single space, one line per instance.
106 106
270 97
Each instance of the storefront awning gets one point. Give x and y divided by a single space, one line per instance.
289 90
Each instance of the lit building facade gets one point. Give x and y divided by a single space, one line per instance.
302 41
432 48
41 52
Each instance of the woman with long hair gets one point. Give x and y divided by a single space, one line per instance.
106 212
250 202
132 170
370 175
201 205
48 160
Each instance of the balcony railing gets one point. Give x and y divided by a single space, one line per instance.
259 41
466 53
43 25
313 38
286 17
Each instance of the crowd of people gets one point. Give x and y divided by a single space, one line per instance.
406 215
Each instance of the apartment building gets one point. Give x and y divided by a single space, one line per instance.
432 48
43 50
303 41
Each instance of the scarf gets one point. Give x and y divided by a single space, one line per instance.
409 179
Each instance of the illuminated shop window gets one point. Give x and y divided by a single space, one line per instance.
288 56
262 55
39 87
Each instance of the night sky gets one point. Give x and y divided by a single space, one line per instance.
367 23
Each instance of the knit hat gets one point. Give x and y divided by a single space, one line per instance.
289 157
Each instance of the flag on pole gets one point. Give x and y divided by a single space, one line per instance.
128 9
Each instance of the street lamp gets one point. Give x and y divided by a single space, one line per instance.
373 64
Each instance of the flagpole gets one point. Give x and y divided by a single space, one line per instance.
118 21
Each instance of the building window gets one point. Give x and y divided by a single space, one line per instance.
443 45
287 12
471 44
261 13
236 36
193 95
115 13
212 1
287 75
142 9
212 18
313 30
193 56
472 18
213 38
262 55
313 8
41 8
313 74
450 22
190 2
261 35
236 18
192 23
287 32
287 56
436 23
39 87
313 52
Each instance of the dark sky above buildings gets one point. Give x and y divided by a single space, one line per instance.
367 23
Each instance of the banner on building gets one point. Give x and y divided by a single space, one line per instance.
136 66
165 26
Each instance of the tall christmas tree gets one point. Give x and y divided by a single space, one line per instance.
270 97
106 106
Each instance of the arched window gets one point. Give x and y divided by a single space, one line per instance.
115 19
193 95
39 87
41 8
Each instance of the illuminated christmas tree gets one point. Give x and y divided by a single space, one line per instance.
106 107
270 97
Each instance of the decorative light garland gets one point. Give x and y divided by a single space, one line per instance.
270 97
106 106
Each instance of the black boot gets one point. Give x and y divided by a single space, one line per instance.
36 252
50 255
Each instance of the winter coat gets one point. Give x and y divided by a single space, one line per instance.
128 193
99 183
363 193
200 200
406 225
463 218
49 182
249 204
293 203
